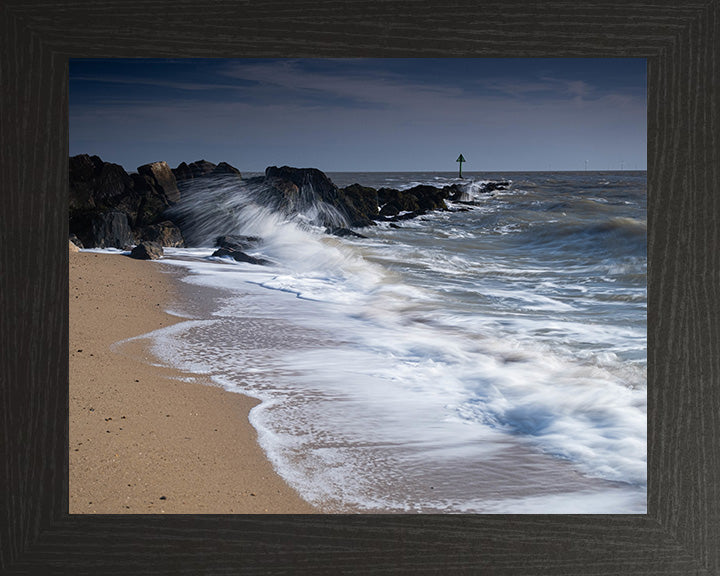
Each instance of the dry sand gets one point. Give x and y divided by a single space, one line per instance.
141 440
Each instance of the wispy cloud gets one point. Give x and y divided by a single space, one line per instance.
160 83
378 89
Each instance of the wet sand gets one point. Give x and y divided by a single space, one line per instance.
142 441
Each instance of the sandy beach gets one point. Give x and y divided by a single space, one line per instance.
142 441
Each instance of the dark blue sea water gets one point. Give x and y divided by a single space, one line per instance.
488 358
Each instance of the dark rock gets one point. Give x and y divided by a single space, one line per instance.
321 185
147 251
75 240
225 168
412 202
360 204
108 230
392 202
193 170
203 168
429 197
297 189
236 242
165 233
160 177
82 170
238 255
406 216
182 172
153 201
343 232
97 186
498 185
455 193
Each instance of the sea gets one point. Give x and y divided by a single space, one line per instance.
491 358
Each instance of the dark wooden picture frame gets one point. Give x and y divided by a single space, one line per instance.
681 532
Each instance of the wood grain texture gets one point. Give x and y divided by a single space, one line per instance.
680 534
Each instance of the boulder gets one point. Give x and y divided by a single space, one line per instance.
153 201
97 186
429 197
75 240
360 204
236 242
238 255
296 189
82 170
161 178
202 168
225 169
496 185
300 189
165 233
147 251
109 230
392 202
343 232
413 201
182 172
311 178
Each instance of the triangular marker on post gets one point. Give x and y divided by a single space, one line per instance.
461 160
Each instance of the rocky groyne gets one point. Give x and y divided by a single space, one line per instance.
110 208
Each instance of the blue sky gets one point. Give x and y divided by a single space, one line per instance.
391 114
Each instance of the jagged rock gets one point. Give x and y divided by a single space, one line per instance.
413 201
75 240
153 202
298 188
97 186
360 204
108 230
238 255
343 232
492 186
165 233
203 168
225 169
159 176
147 251
73 247
182 172
392 202
193 170
236 242
321 185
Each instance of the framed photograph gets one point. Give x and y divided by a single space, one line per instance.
552 478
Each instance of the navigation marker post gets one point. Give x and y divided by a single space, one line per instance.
461 160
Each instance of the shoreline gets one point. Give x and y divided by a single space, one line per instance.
143 440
